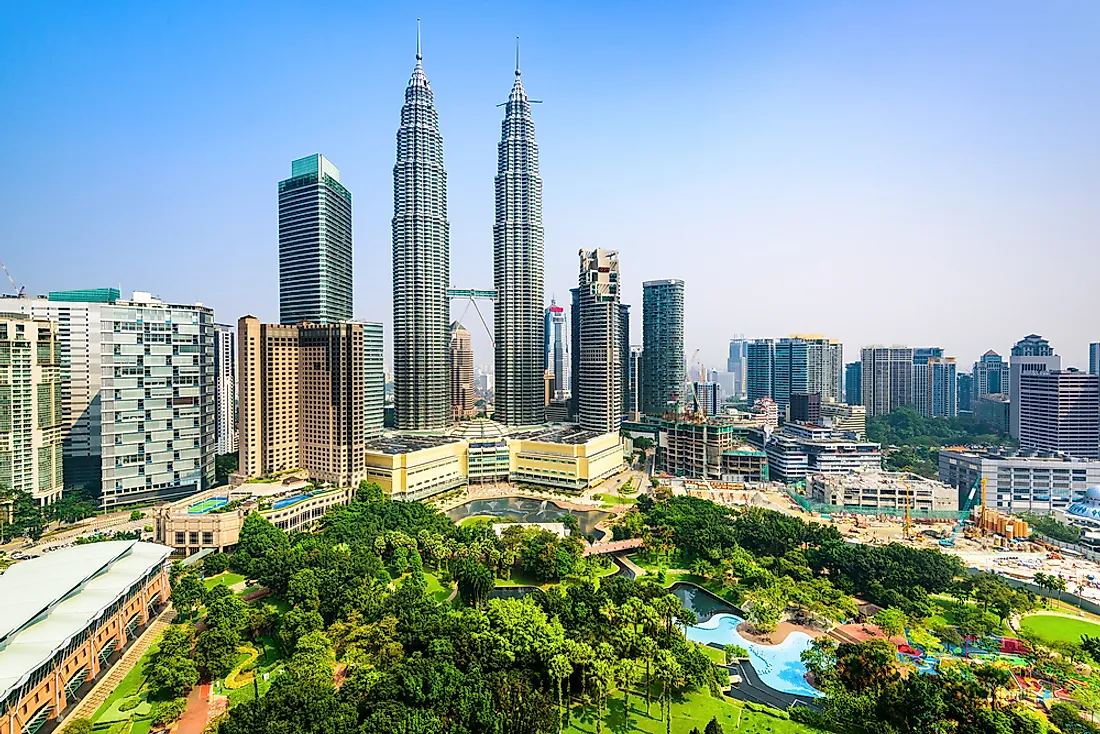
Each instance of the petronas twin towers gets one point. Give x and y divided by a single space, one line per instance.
421 264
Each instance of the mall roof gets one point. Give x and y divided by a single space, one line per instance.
50 599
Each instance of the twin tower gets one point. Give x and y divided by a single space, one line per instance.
421 265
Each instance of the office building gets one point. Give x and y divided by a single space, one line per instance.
1023 480
1031 355
797 451
886 378
634 394
1059 411
518 266
663 344
31 418
302 396
1094 358
993 411
574 351
421 265
805 407
374 379
707 398
964 393
845 418
934 383
315 250
599 400
853 383
802 363
556 344
68 616
760 369
991 375
735 365
462 374
624 355
886 491
225 389
766 411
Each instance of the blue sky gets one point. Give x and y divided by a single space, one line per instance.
918 173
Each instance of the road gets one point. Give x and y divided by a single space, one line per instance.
117 522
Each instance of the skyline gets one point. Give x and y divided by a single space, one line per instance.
961 130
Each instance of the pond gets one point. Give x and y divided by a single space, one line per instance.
522 509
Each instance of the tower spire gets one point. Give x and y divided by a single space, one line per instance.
418 56
517 55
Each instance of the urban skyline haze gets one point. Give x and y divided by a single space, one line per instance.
793 163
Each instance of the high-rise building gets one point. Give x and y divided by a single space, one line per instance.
156 401
853 383
225 389
805 407
302 395
556 343
374 379
518 266
1094 358
708 397
574 351
735 365
634 400
1031 355
31 417
599 392
964 393
462 373
886 378
1059 410
934 383
421 264
624 354
663 344
760 369
79 318
991 375
314 244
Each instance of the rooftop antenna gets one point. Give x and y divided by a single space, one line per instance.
517 55
418 56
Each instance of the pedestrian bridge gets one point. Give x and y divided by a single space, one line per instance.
615 546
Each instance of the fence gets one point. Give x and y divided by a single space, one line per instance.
821 508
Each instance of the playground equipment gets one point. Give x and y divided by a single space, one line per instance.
970 499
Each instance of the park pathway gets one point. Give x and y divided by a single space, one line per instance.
107 683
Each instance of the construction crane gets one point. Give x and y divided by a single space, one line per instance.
20 290
908 501
970 500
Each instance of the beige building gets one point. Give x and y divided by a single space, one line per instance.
31 418
412 467
570 458
302 400
844 417
462 374
882 490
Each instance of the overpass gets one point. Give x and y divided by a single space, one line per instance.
614 546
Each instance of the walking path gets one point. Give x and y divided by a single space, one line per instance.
197 713
107 683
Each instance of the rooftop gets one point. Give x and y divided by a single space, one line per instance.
406 443
566 434
50 599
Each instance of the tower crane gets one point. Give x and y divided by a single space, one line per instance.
19 290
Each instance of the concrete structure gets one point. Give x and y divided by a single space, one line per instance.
1019 481
634 392
556 343
1031 355
31 418
225 389
964 393
708 398
66 618
845 418
886 378
766 411
1059 410
518 266
374 379
805 407
735 365
302 398
488 457
599 399
421 263
882 490
991 375
1085 512
853 383
213 519
462 374
574 351
570 458
799 450
993 410
760 369
662 344
315 251
416 467
709 449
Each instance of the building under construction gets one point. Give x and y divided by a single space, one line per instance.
714 448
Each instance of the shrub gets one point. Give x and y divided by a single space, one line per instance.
129 703
137 515
169 711
148 528
78 726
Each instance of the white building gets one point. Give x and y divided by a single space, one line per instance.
1031 355
799 450
225 388
883 490
1025 481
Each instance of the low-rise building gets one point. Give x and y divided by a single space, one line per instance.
882 490
67 617
567 457
1025 480
798 450
416 467
844 417
698 448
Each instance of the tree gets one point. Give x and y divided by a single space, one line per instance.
167 712
215 563
78 726
669 672
626 670
296 624
187 593
891 621
993 678
224 465
258 536
136 515
475 581
169 669
559 670
216 650
313 659
369 492
713 727
868 666
601 676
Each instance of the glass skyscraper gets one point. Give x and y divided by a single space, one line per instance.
314 244
662 345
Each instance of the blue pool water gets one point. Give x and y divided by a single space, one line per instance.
779 666
288 501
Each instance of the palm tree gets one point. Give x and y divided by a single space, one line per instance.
602 676
670 673
625 673
560 669
648 648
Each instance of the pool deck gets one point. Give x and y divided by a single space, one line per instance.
753 689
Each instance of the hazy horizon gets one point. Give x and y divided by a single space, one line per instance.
924 175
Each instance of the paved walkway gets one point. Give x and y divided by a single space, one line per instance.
107 683
197 713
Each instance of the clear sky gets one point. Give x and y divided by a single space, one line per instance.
921 173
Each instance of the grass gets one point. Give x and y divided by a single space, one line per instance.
1055 628
131 685
715 655
521 578
227 578
480 519
946 614
693 710
614 499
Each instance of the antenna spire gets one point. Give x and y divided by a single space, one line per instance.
517 55
418 56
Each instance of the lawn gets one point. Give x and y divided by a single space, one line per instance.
945 614
694 710
614 499
716 655
1056 628
434 588
227 579
521 578
107 717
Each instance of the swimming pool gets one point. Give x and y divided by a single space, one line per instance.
288 501
208 504
779 666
